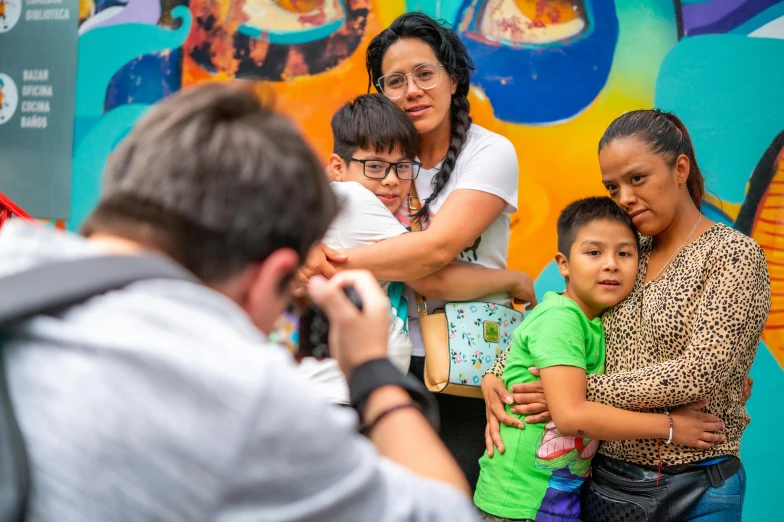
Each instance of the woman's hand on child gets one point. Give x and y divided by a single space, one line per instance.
530 401
319 262
526 399
496 396
523 291
691 427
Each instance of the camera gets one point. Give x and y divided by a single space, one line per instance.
313 330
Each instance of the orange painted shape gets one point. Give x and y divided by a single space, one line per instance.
300 6
769 233
549 12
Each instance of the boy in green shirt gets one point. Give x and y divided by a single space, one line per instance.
539 475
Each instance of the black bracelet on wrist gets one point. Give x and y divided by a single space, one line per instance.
369 376
367 427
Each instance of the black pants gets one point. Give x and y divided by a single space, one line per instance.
463 424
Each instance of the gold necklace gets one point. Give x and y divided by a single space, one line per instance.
678 250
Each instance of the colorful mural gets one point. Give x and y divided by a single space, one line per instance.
552 74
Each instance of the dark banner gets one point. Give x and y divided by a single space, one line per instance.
38 41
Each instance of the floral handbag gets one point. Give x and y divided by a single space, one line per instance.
462 340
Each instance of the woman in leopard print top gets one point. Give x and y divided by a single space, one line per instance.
691 326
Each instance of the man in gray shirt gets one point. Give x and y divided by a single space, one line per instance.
163 401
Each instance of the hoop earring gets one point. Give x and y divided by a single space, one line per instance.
682 183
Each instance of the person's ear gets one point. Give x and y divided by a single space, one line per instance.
682 169
268 293
337 167
563 264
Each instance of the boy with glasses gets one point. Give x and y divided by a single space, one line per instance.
373 165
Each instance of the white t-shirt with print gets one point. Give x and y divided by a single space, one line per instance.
363 220
487 163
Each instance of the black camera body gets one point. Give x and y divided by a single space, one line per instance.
314 328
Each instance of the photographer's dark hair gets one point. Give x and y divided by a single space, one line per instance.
207 177
372 122
582 212
666 135
453 55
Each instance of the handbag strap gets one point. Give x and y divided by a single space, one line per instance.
65 283
414 205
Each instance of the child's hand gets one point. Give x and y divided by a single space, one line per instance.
748 382
691 427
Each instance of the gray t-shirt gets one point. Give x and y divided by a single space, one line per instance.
161 401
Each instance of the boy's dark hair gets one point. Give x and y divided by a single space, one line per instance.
666 135
371 121
580 213
215 180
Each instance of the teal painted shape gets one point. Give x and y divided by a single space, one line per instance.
91 156
297 37
761 456
727 90
549 280
104 50
438 9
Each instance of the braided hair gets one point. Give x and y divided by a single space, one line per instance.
666 135
454 56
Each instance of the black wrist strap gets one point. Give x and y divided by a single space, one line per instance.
370 376
367 427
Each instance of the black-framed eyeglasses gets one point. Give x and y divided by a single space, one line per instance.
379 169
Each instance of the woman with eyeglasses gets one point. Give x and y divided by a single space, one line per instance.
467 186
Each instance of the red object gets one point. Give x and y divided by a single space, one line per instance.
8 208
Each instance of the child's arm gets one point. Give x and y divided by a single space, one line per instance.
462 283
565 388
557 344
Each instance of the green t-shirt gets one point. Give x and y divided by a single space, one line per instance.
540 473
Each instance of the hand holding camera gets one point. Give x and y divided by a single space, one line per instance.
358 330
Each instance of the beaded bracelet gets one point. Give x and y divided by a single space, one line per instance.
669 441
366 428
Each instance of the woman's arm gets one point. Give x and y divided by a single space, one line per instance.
565 387
409 257
730 318
464 282
413 256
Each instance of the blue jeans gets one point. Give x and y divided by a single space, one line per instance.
723 503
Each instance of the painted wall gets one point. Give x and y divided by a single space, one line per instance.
552 74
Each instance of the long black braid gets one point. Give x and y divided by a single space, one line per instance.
454 56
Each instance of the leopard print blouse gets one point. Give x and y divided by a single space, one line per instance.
692 334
